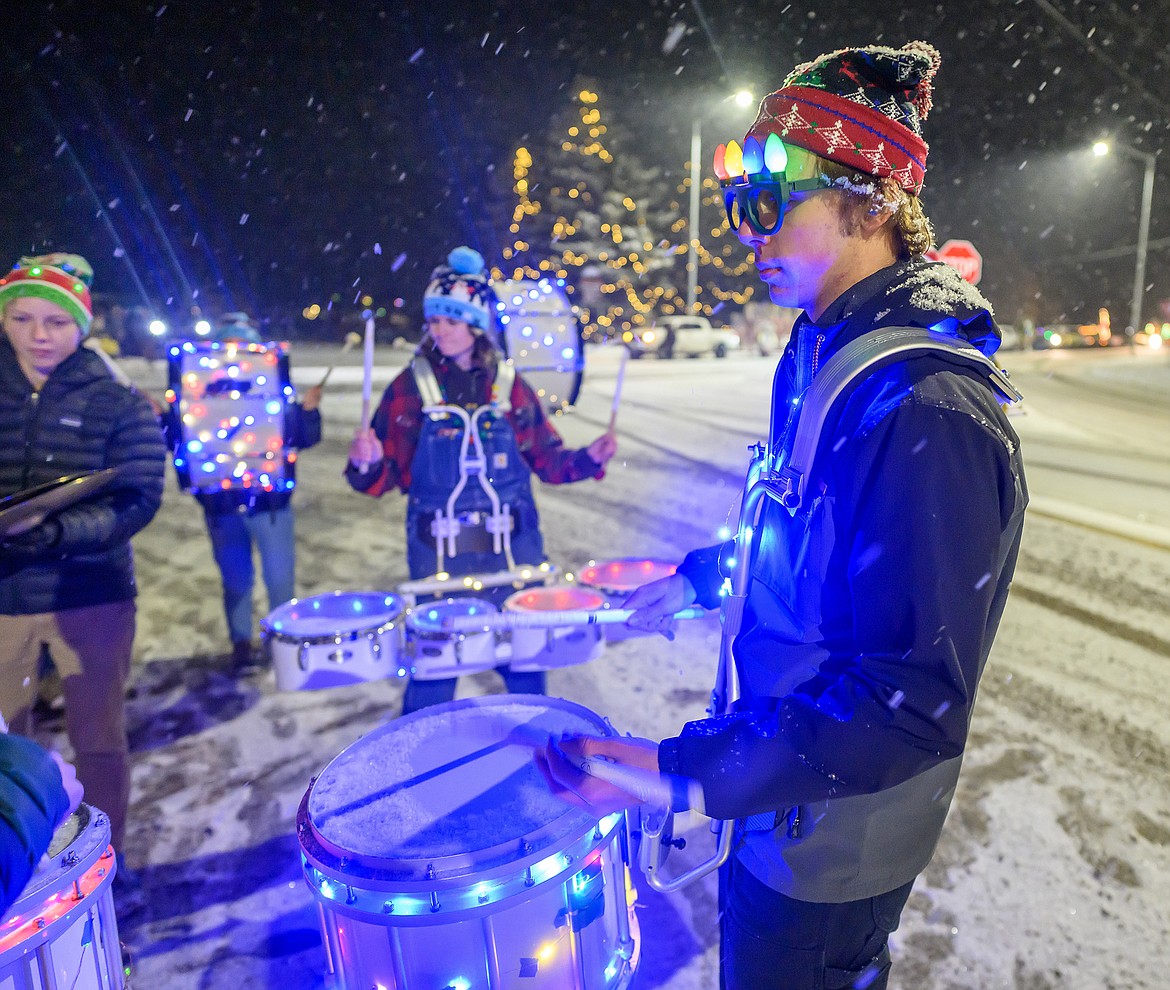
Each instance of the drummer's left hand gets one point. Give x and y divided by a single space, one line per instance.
578 788
311 398
602 449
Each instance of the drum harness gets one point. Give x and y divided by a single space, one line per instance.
447 524
785 481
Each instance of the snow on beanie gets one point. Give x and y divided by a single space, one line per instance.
60 278
859 107
461 290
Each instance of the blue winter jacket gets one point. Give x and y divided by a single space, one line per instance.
871 612
32 801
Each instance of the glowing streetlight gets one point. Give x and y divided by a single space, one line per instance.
742 98
1100 149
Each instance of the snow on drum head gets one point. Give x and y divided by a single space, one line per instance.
439 858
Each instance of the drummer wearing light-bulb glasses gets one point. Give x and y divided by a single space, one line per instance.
404 449
870 596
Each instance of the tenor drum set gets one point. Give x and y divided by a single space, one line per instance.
436 854
350 637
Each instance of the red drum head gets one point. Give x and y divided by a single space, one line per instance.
625 574
555 598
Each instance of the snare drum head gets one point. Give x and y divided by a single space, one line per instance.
626 573
554 598
334 612
428 618
454 787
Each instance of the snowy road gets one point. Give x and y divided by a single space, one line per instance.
1048 873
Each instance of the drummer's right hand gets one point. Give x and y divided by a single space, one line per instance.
366 448
73 788
654 604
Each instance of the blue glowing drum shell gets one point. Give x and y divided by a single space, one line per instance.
334 639
61 931
437 652
439 859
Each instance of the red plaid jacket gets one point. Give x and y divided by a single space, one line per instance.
398 421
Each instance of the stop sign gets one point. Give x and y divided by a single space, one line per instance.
961 256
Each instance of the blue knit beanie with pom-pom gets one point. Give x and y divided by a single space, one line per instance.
462 290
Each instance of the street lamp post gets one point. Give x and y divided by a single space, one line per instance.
743 98
1139 273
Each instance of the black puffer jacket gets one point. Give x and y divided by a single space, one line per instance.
80 420
871 611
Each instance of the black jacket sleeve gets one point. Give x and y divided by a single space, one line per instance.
32 801
922 511
136 448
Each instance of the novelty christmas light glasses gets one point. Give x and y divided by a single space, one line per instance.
754 187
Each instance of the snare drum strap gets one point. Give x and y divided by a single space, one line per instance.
431 391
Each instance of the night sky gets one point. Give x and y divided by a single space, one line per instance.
269 155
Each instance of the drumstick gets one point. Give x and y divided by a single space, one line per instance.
551 618
352 339
367 380
368 370
617 390
646 785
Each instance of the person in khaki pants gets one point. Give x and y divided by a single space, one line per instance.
67 578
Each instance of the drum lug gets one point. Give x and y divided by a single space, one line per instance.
350 896
303 657
388 907
434 901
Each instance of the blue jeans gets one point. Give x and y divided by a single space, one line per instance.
422 694
232 536
771 942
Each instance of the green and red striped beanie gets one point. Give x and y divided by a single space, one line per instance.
859 107
60 278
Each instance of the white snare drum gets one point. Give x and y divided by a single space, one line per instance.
562 646
616 579
439 858
343 637
61 931
437 652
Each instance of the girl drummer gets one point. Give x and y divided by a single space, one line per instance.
459 362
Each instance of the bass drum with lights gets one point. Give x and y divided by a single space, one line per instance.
61 931
439 859
541 335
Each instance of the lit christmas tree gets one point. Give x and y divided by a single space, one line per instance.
588 211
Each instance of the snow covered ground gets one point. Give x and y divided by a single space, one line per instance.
1058 843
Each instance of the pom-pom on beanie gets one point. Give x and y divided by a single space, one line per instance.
461 290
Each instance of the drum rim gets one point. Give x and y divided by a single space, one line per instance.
379 628
454 867
446 634
601 603
615 589
87 848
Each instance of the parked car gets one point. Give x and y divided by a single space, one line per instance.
684 336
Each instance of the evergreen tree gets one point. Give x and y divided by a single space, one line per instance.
589 211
